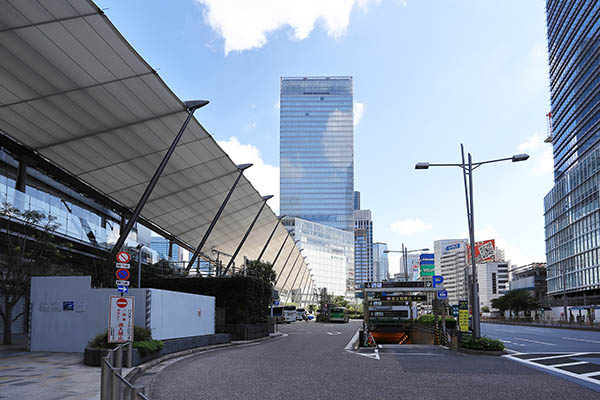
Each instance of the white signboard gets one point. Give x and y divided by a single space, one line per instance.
120 319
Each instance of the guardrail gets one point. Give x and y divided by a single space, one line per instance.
111 379
545 323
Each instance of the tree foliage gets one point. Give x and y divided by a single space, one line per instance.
261 270
29 250
516 300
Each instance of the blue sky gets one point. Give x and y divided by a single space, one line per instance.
428 75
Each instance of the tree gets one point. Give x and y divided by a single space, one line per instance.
485 309
516 300
261 270
340 301
29 250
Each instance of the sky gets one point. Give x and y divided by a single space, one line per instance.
428 76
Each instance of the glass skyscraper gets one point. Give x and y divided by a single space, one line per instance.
571 209
317 150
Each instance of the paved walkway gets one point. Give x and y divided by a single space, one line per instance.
46 376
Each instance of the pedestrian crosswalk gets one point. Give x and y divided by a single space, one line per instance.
584 366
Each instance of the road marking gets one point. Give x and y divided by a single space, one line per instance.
334 333
350 344
569 363
374 356
535 341
581 340
560 356
584 377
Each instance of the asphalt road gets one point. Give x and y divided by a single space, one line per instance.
311 362
527 339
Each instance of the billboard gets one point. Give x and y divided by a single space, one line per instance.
485 251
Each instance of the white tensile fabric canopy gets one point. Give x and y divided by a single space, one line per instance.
74 91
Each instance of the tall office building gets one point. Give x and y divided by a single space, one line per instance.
356 200
317 150
381 267
572 209
451 262
363 248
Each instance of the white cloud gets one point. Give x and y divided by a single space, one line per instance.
245 24
410 226
358 110
264 177
541 162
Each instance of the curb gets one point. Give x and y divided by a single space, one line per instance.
136 371
481 352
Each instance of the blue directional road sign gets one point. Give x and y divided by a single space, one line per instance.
442 294
427 256
426 262
122 289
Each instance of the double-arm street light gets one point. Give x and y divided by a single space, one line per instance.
468 172
405 252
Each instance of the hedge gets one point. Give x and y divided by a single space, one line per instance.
483 343
429 319
245 298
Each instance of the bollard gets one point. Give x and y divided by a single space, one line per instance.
118 360
130 355
135 391
115 388
105 381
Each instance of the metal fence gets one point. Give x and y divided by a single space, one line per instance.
551 323
112 381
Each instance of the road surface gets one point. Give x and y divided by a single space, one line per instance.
313 362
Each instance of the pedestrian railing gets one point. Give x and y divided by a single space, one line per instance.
112 380
544 323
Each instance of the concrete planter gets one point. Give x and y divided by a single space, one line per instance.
93 357
245 331
482 352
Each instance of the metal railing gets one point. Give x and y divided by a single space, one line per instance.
112 380
544 323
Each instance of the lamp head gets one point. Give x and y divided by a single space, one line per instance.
422 165
520 157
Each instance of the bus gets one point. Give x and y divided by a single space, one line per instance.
301 314
289 314
339 314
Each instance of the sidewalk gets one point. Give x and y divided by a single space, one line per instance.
46 376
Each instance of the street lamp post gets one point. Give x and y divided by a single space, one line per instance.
405 252
468 171
139 249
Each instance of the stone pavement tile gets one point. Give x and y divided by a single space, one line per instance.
47 376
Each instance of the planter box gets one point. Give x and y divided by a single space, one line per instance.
245 331
93 357
482 352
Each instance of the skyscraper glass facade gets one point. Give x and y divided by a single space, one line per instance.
317 150
571 209
363 247
380 262
330 255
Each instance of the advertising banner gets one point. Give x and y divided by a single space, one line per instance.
485 251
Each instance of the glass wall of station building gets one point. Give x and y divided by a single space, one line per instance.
77 218
317 150
571 208
330 254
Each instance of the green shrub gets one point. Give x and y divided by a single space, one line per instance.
245 298
483 343
356 316
100 341
429 319
146 347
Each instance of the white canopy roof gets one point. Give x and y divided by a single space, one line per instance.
75 92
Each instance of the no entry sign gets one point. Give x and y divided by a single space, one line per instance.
123 257
120 319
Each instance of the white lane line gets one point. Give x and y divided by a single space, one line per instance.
581 340
569 363
374 356
350 344
559 356
555 370
535 341
594 373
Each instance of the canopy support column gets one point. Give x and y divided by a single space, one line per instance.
286 260
270 237
241 169
265 198
191 107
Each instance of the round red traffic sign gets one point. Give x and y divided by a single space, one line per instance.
122 274
123 257
122 302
